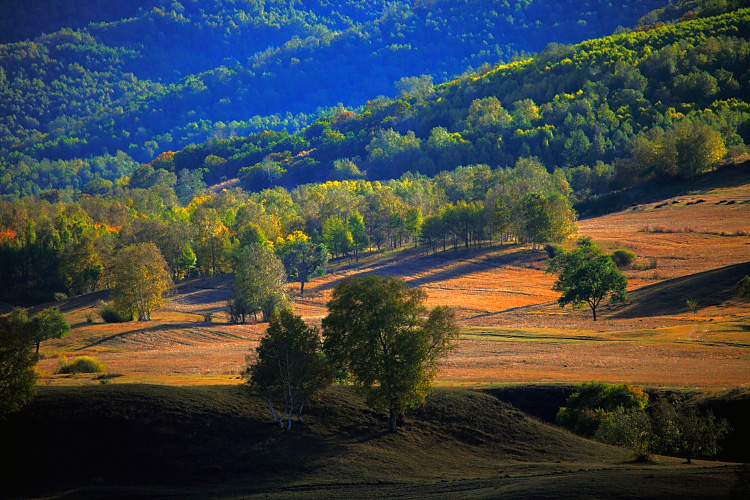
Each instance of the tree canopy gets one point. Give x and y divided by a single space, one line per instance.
586 276
49 324
376 331
288 366
140 280
17 361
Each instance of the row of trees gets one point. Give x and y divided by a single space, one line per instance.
48 245
377 333
621 414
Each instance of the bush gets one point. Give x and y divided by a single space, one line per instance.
594 402
623 258
111 314
553 250
60 296
84 364
90 316
207 316
743 288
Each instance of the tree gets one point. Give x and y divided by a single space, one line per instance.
593 402
140 279
680 429
337 237
186 261
49 324
302 259
288 366
356 226
376 331
259 280
537 216
17 361
586 276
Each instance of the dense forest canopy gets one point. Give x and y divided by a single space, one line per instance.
663 102
116 86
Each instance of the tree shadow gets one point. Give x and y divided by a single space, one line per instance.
419 269
709 288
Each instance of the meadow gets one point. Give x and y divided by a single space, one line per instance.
171 418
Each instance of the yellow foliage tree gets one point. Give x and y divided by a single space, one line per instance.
140 280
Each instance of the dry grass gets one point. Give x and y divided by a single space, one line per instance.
503 292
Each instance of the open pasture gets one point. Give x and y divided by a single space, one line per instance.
514 331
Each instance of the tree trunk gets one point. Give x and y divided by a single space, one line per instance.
301 288
394 419
593 310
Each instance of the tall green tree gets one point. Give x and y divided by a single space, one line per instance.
259 280
17 361
49 324
303 259
288 366
376 330
586 276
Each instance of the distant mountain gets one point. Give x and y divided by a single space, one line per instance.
126 83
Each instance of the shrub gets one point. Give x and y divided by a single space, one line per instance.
645 265
629 428
207 316
623 258
60 296
594 402
84 364
692 305
743 288
111 314
90 316
553 250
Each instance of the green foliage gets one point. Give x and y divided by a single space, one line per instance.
594 402
376 331
628 427
586 276
677 429
110 314
623 257
17 362
83 364
288 367
259 281
302 259
49 324
237 68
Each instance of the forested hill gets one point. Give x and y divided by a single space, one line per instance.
129 83
666 101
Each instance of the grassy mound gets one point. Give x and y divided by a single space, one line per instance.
217 441
180 436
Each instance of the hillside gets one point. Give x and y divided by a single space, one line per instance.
155 441
236 68
611 112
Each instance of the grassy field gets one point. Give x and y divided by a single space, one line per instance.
170 418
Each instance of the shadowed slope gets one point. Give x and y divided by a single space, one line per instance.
709 288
